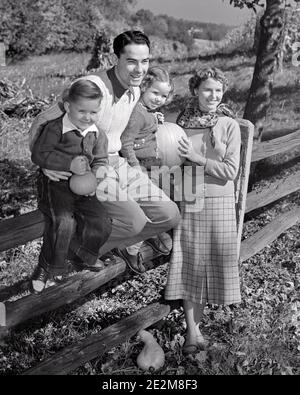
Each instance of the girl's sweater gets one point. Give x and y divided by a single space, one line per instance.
138 139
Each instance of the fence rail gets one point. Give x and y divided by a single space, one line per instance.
76 286
273 192
276 146
96 345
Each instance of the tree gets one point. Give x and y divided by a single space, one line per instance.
101 55
272 31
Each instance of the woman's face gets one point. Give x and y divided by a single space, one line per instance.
210 93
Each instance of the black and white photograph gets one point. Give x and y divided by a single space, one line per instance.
149 190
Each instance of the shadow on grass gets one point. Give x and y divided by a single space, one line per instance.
264 169
21 286
17 186
287 90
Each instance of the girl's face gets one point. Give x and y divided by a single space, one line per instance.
210 94
156 95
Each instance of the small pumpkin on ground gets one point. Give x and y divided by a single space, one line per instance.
152 356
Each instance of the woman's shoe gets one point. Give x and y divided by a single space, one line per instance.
190 349
201 341
39 280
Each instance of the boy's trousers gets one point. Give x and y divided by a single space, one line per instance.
80 223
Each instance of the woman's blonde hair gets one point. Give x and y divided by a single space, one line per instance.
156 73
205 73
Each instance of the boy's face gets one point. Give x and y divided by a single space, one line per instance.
83 112
156 95
210 93
133 64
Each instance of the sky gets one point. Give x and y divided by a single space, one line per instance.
214 11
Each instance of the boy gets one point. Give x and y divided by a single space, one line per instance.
71 143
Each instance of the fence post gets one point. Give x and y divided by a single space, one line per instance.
2 54
2 314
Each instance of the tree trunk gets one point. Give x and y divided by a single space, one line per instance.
268 54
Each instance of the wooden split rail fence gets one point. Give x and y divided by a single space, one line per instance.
30 226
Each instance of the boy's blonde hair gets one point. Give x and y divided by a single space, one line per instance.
156 73
204 74
82 88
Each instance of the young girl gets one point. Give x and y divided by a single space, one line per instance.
204 265
139 144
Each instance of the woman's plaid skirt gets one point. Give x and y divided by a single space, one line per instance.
204 265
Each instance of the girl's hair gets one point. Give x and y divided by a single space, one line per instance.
203 74
129 37
157 74
82 89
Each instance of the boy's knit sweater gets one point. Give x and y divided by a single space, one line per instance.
138 139
55 150
113 116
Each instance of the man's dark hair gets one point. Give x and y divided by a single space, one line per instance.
129 37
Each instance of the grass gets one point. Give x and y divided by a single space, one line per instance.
261 336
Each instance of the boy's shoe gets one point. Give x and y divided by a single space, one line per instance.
105 260
108 258
134 262
39 279
97 267
157 245
55 280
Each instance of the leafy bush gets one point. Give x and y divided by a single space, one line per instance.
39 27
167 49
240 38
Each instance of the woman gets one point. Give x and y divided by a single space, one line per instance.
204 265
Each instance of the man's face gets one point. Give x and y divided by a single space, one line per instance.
133 64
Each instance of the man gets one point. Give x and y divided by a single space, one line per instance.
137 207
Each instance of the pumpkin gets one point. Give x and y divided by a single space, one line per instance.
152 356
84 184
167 136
